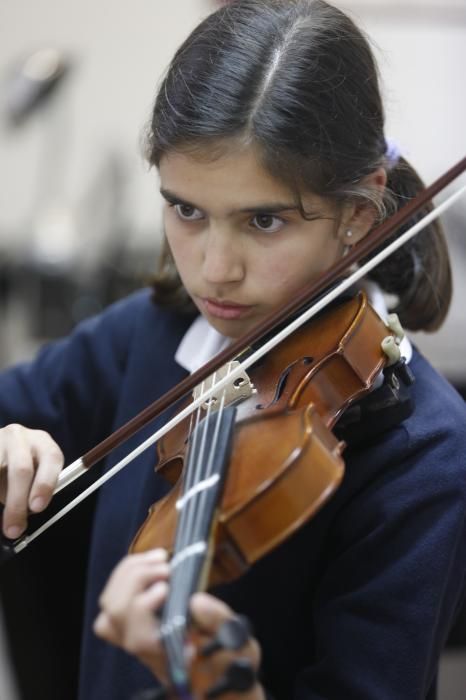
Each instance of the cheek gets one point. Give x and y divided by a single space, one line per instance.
281 273
307 262
182 250
289 273
276 282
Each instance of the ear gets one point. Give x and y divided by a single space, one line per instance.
358 219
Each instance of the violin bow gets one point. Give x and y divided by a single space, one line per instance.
360 251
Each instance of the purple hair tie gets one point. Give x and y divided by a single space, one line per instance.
392 152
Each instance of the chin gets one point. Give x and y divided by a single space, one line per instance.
230 329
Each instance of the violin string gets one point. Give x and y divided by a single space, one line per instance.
195 473
200 513
174 649
77 468
180 544
199 507
174 625
190 529
195 509
185 533
190 475
168 615
196 524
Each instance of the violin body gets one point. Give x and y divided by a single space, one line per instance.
285 461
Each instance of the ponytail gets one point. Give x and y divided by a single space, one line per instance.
418 274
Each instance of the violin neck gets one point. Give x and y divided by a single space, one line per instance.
204 475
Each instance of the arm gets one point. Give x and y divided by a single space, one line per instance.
395 573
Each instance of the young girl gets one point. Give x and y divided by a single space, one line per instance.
268 135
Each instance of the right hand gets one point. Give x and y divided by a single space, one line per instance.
30 462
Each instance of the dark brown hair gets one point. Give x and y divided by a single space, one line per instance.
297 79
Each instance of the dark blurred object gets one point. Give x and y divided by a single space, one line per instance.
42 594
46 301
457 638
32 82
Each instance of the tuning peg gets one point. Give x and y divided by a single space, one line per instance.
239 676
232 634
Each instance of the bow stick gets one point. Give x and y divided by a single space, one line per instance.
360 251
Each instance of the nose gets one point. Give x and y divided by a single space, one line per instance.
223 259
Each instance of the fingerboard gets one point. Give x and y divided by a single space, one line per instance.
204 475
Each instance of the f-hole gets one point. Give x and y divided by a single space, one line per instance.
282 381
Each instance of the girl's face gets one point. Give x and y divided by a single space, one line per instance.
240 245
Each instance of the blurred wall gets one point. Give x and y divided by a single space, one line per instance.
118 50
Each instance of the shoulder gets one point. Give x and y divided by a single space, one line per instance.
136 312
421 460
120 318
102 341
434 439
129 322
438 420
439 415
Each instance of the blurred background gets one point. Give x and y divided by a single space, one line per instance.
79 210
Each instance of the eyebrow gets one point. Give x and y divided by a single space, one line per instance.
268 207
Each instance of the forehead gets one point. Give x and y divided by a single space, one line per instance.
235 178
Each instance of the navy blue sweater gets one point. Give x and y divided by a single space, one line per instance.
355 606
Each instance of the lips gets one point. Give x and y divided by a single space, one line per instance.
224 308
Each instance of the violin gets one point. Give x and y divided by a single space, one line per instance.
238 492
298 392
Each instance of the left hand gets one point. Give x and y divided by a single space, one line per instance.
135 591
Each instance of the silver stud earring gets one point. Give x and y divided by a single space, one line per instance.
347 247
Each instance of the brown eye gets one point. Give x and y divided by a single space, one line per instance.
188 212
267 222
